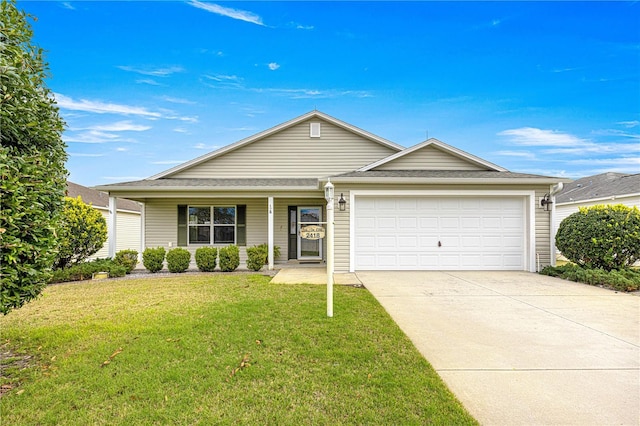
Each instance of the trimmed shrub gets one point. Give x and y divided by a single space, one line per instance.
256 257
85 271
153 258
178 259
276 252
229 258
127 258
605 237
206 258
622 280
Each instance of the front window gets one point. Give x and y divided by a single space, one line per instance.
220 230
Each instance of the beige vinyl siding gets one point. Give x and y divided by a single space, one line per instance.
342 236
162 219
292 153
342 242
127 232
429 158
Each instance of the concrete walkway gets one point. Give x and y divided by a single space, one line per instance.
519 348
312 275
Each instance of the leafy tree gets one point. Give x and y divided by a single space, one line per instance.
82 231
606 237
32 158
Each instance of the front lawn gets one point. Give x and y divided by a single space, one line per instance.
214 349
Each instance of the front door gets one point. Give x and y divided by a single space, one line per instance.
309 249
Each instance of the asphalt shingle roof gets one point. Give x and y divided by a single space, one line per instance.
98 198
599 186
170 183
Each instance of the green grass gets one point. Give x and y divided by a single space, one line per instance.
215 349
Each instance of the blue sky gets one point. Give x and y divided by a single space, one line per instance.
548 88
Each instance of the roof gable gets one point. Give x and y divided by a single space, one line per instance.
253 149
432 154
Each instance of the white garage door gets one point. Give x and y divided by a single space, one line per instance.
426 233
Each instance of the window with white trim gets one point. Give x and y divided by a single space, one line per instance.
212 224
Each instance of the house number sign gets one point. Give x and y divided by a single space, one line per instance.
312 232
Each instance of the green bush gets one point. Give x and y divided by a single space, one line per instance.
82 231
622 280
601 237
206 258
256 257
32 155
276 252
127 258
153 258
85 271
229 258
178 259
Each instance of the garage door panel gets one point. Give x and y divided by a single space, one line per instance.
473 232
410 223
408 242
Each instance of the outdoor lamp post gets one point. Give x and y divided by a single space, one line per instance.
328 195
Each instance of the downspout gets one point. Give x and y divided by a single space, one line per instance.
552 219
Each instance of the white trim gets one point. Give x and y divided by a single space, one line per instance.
270 233
143 233
529 197
113 225
273 130
442 146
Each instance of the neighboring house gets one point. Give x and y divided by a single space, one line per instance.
129 222
605 188
431 206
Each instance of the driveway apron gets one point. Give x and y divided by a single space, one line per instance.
522 348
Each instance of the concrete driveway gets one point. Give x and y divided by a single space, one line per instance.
521 348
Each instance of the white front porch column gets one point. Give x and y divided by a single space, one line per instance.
111 235
270 234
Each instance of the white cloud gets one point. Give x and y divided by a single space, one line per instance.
120 126
122 149
618 161
315 93
521 154
298 26
273 66
180 130
100 107
222 77
149 82
531 136
629 124
207 147
154 72
177 100
67 5
95 136
238 14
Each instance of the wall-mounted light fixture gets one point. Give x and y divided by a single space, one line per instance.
546 202
342 203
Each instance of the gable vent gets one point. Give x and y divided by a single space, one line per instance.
314 130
